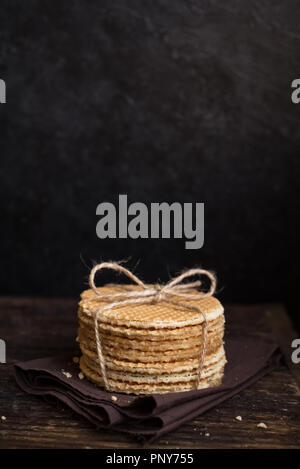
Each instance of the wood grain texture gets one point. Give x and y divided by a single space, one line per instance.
34 328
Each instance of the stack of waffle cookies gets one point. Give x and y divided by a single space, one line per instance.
151 348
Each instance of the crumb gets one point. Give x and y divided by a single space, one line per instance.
262 425
76 359
67 374
239 418
77 339
80 375
207 434
114 398
3 418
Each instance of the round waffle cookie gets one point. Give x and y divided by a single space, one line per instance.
144 354
153 334
209 370
150 387
153 347
145 316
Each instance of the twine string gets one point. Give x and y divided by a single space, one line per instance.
151 294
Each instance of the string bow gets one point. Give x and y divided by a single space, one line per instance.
151 294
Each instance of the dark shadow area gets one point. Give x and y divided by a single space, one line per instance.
163 101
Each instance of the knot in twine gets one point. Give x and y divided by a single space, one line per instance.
151 294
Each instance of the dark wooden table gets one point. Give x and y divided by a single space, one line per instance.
35 328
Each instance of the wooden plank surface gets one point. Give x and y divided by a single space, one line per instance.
40 327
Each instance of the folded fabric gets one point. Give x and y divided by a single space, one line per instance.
146 417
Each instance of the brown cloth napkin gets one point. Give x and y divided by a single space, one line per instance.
150 416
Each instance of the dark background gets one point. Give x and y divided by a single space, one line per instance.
164 101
